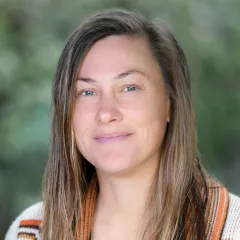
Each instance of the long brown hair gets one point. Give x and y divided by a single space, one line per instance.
176 203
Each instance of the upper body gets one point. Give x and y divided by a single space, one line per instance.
29 221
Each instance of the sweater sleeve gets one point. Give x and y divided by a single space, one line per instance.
34 212
13 229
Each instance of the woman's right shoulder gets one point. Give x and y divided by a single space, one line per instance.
26 224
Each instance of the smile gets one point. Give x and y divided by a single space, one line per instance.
113 138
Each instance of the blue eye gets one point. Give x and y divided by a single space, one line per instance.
131 88
86 93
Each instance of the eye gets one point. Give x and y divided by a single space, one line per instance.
131 88
86 93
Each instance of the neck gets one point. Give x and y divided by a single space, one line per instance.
126 196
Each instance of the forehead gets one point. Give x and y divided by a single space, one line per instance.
115 54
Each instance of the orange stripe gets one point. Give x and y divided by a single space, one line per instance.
25 235
213 209
86 213
88 206
91 206
30 222
221 214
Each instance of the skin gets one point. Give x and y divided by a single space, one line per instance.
120 88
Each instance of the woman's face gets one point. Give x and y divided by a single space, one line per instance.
122 105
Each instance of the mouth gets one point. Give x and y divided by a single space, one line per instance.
113 137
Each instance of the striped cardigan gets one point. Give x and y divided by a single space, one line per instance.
222 214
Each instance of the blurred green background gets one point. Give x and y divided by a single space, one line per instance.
32 35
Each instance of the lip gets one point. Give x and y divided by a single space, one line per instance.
109 137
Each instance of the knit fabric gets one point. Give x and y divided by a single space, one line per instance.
223 215
232 227
216 211
20 231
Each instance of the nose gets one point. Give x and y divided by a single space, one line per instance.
108 110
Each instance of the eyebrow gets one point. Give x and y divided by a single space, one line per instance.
119 76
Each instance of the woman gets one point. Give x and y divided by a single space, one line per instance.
123 160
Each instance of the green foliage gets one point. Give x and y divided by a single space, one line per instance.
33 34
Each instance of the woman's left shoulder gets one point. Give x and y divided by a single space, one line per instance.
231 228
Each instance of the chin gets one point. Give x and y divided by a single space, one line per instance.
114 167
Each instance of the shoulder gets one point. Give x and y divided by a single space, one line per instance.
231 228
27 223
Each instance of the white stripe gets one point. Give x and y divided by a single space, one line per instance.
29 230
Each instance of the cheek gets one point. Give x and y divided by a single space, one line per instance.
83 115
82 119
79 119
149 117
148 111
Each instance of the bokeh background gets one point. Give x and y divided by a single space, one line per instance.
32 35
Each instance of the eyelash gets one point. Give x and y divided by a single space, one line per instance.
126 86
